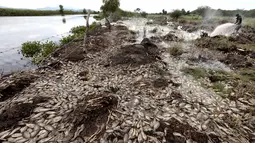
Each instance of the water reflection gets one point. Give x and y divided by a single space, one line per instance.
64 20
16 30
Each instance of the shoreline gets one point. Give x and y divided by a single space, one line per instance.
118 89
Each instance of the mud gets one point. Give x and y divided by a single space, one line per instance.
136 54
237 61
10 117
160 83
17 84
234 54
179 132
92 113
195 26
167 38
97 41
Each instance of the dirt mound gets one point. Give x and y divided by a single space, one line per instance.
178 132
167 37
11 116
171 37
136 54
160 20
160 83
92 114
243 38
238 61
15 84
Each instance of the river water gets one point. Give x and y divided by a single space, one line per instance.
16 30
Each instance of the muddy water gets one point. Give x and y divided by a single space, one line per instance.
16 30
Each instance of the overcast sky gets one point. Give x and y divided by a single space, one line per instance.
146 5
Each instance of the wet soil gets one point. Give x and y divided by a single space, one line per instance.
16 85
92 113
235 55
179 132
11 116
136 54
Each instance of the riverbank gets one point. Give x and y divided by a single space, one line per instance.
123 89
30 12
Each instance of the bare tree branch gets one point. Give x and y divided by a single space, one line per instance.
87 28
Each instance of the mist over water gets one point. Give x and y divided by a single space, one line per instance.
225 29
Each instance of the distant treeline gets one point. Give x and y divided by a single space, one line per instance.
28 12
205 10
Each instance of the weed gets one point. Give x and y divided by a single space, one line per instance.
29 49
196 72
176 50
248 74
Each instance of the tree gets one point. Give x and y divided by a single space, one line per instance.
188 12
84 11
61 10
144 14
109 7
202 10
176 14
137 10
184 11
164 11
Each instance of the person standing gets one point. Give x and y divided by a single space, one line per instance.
238 22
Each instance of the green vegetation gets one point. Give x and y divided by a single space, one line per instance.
28 12
220 79
109 7
176 14
37 50
61 10
29 49
248 74
176 50
67 39
196 72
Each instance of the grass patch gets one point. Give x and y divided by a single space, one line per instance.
196 72
248 74
176 50
241 84
38 50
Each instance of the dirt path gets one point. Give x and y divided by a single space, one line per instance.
116 91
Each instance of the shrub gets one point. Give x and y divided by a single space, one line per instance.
196 72
98 17
144 14
176 14
248 74
37 50
116 16
48 47
29 49
78 30
67 39
176 50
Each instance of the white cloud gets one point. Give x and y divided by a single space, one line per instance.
146 5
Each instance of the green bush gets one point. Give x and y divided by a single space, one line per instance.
176 14
38 50
29 49
196 72
98 17
48 47
176 50
78 30
144 14
67 39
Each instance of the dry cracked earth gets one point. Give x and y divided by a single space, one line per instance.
118 90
